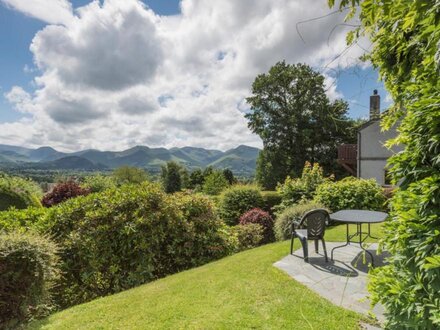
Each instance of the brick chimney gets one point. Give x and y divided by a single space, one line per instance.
374 105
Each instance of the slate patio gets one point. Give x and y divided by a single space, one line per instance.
342 281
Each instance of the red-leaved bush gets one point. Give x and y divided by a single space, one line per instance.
63 191
260 217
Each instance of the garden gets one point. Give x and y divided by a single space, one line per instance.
104 235
196 249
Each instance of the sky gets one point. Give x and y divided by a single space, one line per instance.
113 74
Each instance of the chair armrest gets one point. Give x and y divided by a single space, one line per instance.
294 225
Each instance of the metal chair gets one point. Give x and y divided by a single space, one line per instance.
311 227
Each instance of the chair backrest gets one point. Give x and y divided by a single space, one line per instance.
315 222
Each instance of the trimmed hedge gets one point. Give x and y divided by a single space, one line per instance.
28 271
271 199
237 200
124 237
18 193
351 193
283 222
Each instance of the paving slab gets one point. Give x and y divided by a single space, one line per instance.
342 281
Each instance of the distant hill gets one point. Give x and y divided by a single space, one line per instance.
241 160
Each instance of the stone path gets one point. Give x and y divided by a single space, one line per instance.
342 281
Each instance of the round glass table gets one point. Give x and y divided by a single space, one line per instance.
358 218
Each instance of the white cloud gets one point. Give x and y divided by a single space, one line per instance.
49 11
119 75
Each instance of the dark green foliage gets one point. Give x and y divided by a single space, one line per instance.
215 183
18 192
62 192
400 284
262 218
227 173
171 177
292 114
351 193
196 179
270 169
293 213
271 199
303 188
406 40
124 237
248 236
207 171
237 200
129 175
28 270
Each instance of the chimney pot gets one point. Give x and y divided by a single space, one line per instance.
374 105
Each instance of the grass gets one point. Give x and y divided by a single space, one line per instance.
237 292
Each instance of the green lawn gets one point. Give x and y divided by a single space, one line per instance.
237 292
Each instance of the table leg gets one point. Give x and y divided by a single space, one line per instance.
360 242
340 246
369 233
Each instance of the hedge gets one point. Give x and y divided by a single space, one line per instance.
28 271
121 238
351 193
237 200
18 192
271 199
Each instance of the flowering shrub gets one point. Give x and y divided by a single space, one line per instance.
63 191
262 218
294 190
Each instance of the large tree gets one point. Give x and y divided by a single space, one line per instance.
297 122
406 50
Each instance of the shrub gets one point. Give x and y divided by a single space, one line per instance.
124 237
271 199
22 220
28 270
237 200
409 286
18 193
98 183
129 175
351 193
215 183
283 222
262 218
248 236
62 192
295 190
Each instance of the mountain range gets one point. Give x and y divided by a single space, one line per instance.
241 160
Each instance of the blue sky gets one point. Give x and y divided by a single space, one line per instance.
191 45
16 33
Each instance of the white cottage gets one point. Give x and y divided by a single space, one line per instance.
368 159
